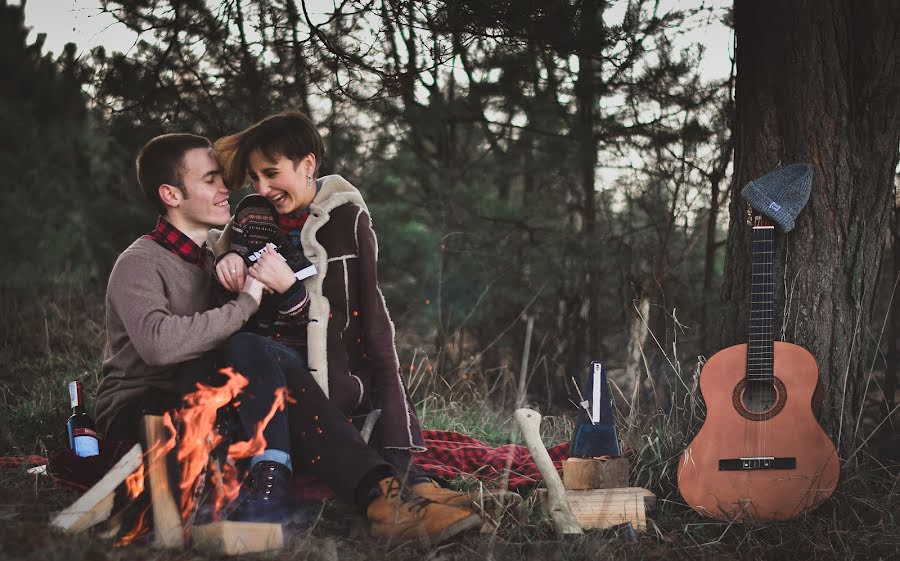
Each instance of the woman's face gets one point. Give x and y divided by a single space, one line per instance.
286 183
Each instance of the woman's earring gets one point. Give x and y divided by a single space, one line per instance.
309 182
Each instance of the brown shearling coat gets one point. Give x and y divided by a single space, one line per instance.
350 336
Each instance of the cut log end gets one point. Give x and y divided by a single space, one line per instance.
594 473
237 538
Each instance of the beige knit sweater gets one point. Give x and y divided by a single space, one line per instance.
158 314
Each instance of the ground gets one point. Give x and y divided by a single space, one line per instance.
44 346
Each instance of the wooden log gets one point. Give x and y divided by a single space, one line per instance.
604 508
96 504
649 500
237 538
595 473
168 530
564 520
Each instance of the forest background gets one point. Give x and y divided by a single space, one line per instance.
565 165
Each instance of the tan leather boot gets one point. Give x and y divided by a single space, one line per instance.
477 498
400 514
448 497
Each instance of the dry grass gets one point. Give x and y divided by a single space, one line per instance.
41 347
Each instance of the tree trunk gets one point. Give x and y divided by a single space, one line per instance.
638 330
818 82
893 329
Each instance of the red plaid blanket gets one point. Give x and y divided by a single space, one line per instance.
451 454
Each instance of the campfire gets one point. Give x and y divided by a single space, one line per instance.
181 447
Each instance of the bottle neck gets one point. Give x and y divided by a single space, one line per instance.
78 410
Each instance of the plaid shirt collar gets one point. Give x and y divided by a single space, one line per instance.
174 240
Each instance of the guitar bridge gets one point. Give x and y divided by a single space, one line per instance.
758 462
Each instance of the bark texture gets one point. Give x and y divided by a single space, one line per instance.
817 81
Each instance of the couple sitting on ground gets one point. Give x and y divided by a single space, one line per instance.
173 319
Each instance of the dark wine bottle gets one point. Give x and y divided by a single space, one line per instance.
82 435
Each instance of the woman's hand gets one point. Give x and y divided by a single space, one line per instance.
273 271
232 272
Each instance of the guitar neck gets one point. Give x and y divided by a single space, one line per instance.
761 349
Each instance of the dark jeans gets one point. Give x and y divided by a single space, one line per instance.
254 403
126 425
324 442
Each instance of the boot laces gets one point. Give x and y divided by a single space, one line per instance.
263 484
415 503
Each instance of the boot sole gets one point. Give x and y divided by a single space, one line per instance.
467 523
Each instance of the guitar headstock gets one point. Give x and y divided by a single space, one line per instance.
757 219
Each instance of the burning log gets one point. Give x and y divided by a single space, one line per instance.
96 505
167 524
173 497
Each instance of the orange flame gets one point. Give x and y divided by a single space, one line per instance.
197 440
139 530
252 447
135 483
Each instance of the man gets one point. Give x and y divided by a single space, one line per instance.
161 325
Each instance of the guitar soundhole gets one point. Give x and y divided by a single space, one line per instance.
759 397
759 400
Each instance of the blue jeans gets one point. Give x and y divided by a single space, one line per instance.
322 440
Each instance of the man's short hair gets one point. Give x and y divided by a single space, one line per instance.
161 161
290 134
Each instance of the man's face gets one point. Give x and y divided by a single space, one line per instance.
205 200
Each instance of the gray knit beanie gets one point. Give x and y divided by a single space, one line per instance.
781 194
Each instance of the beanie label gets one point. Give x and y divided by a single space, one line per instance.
775 206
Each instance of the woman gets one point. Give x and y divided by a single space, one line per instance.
347 363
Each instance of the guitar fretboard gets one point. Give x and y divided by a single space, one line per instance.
760 349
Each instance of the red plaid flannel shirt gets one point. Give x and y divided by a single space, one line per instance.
177 242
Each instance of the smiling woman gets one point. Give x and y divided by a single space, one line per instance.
330 336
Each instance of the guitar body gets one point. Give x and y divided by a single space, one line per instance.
767 462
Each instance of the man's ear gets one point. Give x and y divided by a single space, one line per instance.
170 195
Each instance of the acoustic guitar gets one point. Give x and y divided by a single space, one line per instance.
760 452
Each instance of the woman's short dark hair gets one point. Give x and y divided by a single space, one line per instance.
290 134
161 161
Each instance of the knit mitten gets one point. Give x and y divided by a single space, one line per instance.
256 224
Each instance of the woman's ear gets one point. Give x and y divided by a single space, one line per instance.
309 164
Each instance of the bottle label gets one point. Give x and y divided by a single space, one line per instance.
86 445
84 432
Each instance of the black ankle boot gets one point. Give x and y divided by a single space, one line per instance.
266 494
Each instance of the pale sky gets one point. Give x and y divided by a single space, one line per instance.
82 22
76 21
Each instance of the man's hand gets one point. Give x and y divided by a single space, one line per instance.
254 288
273 271
232 272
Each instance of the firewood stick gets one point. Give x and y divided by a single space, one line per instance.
96 505
167 525
564 520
